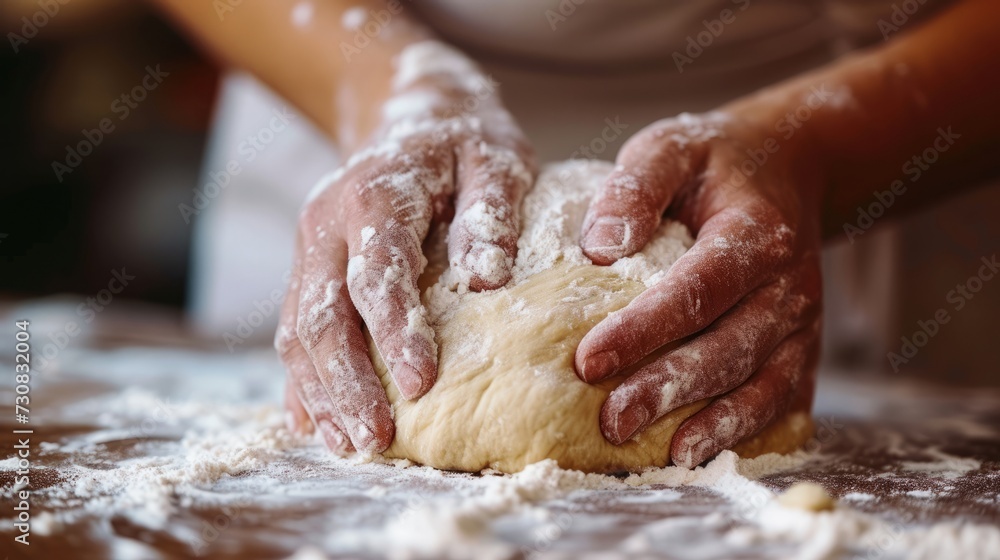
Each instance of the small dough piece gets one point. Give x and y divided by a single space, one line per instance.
807 496
507 394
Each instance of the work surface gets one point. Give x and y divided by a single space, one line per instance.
148 453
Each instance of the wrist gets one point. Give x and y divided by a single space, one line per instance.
418 84
433 80
430 85
366 60
785 127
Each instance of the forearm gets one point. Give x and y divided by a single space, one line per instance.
313 60
889 105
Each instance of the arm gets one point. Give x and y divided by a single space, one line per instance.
315 65
888 105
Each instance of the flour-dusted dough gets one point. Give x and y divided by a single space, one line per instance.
507 394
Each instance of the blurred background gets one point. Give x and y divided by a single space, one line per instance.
63 234
69 232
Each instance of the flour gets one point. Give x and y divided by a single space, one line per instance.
302 13
840 533
942 464
427 58
353 18
552 215
459 528
173 434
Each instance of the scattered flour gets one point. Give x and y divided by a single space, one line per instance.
353 18
942 464
201 432
552 215
302 13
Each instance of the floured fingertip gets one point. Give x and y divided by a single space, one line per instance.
598 366
485 267
689 454
607 240
621 420
414 382
485 243
373 429
334 438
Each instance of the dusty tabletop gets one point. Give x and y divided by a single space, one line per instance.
173 453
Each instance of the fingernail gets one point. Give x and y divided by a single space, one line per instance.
332 435
408 381
364 437
628 423
607 234
489 267
699 452
600 365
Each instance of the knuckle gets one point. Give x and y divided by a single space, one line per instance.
626 195
782 242
508 163
653 134
381 280
286 338
365 198
696 297
625 185
668 136
489 219
800 296
315 321
312 214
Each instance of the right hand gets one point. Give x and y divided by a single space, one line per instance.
358 252
744 302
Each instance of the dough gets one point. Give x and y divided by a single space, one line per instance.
507 394
807 496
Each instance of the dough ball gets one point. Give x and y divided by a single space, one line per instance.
806 496
507 394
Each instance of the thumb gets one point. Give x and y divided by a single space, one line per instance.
625 213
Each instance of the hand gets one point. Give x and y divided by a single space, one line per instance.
744 301
358 254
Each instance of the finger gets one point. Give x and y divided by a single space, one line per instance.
716 361
749 408
330 331
296 417
625 213
482 240
737 250
389 218
317 402
323 414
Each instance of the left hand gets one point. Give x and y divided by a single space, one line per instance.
744 300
